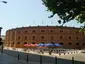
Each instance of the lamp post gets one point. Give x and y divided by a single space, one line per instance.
1 43
5 2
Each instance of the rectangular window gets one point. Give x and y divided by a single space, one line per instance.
25 37
19 37
33 38
69 37
26 32
51 31
76 37
42 30
33 31
61 30
42 37
61 37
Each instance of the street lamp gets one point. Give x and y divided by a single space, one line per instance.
5 2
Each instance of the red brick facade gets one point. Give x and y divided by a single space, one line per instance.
69 37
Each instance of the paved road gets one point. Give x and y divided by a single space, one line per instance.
77 57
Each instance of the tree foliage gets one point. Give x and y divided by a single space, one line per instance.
67 9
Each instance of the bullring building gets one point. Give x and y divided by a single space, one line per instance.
69 37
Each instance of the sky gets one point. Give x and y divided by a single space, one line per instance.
18 13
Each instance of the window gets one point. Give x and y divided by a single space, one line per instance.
83 33
61 37
51 30
42 30
42 37
83 44
25 37
19 32
76 32
61 43
33 31
26 32
25 42
18 43
69 43
76 37
69 37
33 37
19 37
61 30
77 44
42 42
52 43
52 37
33 42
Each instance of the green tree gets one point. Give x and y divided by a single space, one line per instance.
66 9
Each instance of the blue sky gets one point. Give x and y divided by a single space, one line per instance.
18 13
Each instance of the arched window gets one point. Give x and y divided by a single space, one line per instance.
42 42
13 43
52 43
83 43
69 37
61 43
61 37
76 37
33 31
42 37
33 38
25 32
61 30
77 44
25 37
18 43
42 30
69 43
33 42
25 42
18 37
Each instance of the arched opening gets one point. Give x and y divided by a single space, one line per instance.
77 44
18 43
25 42
83 43
33 42
69 43
61 43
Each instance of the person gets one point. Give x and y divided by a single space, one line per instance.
1 44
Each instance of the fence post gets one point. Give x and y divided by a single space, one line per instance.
18 56
40 59
27 58
55 60
72 60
